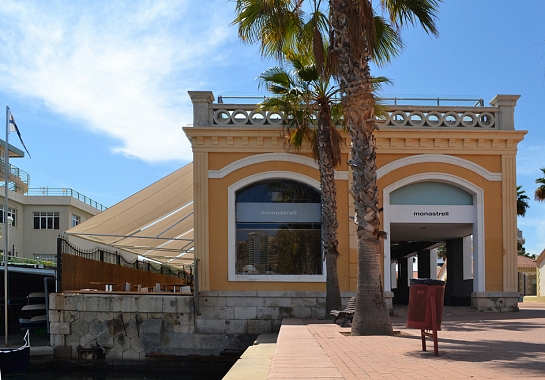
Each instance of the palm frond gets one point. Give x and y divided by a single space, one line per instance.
380 81
274 24
412 12
336 144
388 42
308 73
522 201
381 110
276 80
361 26
539 194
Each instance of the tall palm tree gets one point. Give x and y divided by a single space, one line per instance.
310 110
357 36
539 195
522 201
353 48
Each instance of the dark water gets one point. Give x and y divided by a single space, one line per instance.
201 370
186 368
189 368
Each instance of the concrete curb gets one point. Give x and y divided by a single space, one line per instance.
255 362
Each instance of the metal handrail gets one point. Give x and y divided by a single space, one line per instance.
65 192
221 97
476 102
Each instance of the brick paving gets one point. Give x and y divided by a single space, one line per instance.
471 345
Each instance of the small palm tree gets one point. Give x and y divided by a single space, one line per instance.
522 201
311 113
539 195
311 110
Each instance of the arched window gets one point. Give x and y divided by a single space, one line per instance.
278 225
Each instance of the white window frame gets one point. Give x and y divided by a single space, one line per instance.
46 214
11 212
232 229
76 219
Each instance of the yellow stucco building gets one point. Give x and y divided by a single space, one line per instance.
446 175
246 214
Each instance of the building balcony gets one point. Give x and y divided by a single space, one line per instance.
18 180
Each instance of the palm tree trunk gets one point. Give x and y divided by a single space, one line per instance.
371 315
329 211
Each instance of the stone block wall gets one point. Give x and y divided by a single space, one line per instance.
132 326
493 302
127 326
255 312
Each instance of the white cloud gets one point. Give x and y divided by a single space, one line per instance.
120 68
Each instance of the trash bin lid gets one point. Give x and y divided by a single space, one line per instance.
426 281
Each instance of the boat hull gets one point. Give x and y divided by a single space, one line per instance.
16 360
33 323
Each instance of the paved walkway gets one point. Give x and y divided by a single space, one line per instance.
471 345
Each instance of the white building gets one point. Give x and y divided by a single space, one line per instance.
40 215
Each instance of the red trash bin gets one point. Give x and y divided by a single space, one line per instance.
425 311
419 313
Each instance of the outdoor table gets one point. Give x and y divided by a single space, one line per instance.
166 285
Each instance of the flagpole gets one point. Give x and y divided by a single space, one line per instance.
6 243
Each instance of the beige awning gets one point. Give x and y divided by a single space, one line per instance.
156 222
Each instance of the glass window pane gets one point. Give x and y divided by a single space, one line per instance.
285 249
276 239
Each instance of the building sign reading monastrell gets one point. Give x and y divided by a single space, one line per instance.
432 214
256 212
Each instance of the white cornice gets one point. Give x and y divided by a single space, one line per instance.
441 158
269 157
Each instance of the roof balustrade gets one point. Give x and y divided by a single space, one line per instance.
418 113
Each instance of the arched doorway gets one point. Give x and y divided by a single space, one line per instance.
426 211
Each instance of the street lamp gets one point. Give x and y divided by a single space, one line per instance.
7 222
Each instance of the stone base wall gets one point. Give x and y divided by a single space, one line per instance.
138 326
495 301
134 326
127 326
256 312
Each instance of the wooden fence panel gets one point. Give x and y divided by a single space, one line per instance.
78 273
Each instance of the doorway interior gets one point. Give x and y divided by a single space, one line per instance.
434 224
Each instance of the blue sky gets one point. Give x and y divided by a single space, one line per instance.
99 88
